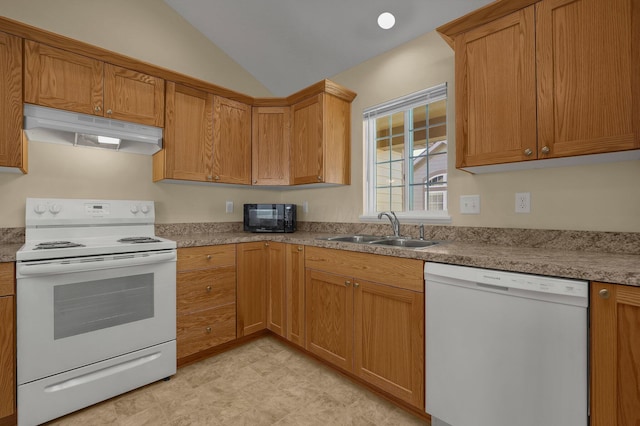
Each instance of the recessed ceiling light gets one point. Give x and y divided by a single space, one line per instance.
386 20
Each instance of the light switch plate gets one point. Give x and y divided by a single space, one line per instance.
469 204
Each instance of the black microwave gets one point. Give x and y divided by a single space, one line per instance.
270 217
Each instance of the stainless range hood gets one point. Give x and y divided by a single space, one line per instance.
52 125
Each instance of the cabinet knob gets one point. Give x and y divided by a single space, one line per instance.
209 177
356 285
97 108
109 111
266 244
319 178
208 257
255 181
216 177
299 248
545 149
208 289
604 293
208 330
347 283
528 152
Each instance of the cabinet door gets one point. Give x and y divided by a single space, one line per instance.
389 339
615 355
588 54
206 309
329 317
276 290
188 136
231 141
496 92
7 357
11 148
133 96
306 141
295 294
64 80
252 287
270 145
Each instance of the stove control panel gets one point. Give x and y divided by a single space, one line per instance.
69 212
97 209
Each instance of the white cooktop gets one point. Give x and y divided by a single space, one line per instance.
88 227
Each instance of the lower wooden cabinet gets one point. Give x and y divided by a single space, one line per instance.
7 344
276 291
294 282
206 298
365 314
253 267
615 355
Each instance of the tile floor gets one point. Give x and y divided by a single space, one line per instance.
264 382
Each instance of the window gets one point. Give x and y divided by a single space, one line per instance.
406 148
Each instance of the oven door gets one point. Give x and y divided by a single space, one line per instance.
71 313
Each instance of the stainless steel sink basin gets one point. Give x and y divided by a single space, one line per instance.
378 240
403 242
356 238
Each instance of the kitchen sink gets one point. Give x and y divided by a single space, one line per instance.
378 240
403 242
356 238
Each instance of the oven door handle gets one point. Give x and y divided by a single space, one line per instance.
93 264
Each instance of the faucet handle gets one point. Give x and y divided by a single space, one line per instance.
422 231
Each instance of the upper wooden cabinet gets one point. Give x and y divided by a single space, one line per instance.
615 355
557 78
13 151
60 79
321 140
231 141
188 136
270 144
206 138
496 91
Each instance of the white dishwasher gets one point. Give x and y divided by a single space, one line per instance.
505 349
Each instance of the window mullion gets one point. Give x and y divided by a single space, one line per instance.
408 147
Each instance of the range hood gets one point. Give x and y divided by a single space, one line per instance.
52 125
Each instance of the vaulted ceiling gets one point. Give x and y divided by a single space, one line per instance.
290 44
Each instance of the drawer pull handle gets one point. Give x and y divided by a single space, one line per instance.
208 257
208 289
208 329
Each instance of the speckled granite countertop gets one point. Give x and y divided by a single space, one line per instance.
593 266
593 256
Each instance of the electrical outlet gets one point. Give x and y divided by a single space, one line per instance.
470 204
305 207
229 207
523 202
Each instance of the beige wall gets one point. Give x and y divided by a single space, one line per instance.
602 197
599 197
150 31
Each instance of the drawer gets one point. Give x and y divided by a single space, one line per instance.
7 279
204 289
206 257
202 330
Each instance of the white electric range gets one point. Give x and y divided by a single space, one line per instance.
96 304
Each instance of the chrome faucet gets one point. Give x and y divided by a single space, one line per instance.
395 223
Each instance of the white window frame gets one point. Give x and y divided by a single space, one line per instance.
430 95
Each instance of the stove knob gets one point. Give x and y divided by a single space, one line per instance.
40 208
55 208
134 209
145 209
